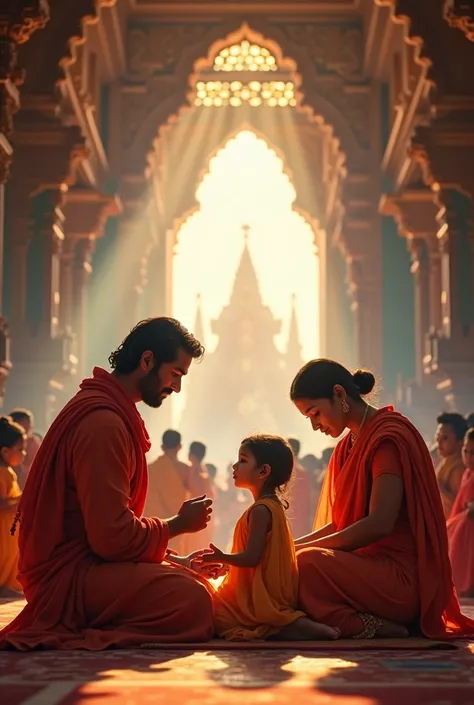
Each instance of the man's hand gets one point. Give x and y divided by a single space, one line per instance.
193 516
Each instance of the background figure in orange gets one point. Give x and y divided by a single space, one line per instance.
461 525
168 486
25 418
258 598
300 495
12 454
199 484
314 467
377 562
449 439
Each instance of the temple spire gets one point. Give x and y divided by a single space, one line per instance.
294 353
246 280
198 322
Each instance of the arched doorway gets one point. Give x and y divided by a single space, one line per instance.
251 259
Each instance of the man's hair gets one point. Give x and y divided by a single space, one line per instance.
162 336
171 439
456 421
295 446
197 449
19 415
470 420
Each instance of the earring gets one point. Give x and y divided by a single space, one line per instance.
345 406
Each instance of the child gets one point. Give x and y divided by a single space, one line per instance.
258 598
460 525
12 454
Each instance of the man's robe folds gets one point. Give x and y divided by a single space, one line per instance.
89 562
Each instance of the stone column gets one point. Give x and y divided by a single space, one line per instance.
415 212
82 269
19 19
420 271
86 212
452 349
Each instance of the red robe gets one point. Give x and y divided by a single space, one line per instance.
404 576
461 537
90 564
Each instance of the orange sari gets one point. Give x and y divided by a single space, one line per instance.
336 585
461 537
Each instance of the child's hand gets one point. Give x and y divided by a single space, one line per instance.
213 555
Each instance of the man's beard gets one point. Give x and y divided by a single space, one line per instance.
148 389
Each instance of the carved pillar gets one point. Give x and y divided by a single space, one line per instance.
86 212
414 212
82 269
435 289
360 240
19 19
420 271
452 349
48 224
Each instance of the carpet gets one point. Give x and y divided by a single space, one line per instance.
410 644
259 676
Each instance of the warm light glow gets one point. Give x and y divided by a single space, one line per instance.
245 57
255 93
246 184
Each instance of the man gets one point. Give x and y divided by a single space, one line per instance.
199 484
299 513
24 417
450 434
91 566
169 486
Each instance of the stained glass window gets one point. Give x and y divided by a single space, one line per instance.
235 91
245 57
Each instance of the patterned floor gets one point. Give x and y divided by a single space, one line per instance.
281 677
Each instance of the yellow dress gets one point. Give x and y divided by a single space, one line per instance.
9 489
254 603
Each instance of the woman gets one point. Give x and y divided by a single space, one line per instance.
450 434
460 525
377 562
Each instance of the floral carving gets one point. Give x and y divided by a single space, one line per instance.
333 48
156 49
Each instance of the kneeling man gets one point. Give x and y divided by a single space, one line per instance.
91 566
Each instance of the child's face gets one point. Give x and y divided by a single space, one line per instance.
246 473
15 455
468 454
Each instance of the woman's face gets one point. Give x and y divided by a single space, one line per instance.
446 440
468 454
326 415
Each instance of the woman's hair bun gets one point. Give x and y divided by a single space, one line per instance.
364 380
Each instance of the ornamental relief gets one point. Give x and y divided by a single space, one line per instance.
156 49
333 49
137 106
353 106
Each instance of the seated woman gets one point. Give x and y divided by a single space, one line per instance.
377 562
461 525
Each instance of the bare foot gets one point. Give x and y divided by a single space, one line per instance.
390 630
304 629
